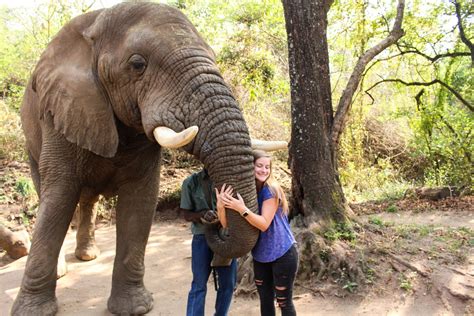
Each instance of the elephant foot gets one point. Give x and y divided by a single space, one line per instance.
130 301
87 253
34 305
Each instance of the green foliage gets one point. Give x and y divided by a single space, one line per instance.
369 276
350 286
392 208
376 221
442 126
24 187
363 181
437 146
406 282
444 138
341 231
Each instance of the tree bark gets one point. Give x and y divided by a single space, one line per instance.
316 191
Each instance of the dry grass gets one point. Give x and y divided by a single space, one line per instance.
11 135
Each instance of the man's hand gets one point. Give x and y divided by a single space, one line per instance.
220 194
210 217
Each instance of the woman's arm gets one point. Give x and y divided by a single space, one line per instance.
262 222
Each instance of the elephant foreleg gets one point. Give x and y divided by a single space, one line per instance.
135 211
86 248
37 293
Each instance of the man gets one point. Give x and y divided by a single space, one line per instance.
198 202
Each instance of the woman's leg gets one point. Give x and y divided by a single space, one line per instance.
284 272
264 282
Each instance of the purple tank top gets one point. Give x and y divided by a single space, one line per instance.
278 238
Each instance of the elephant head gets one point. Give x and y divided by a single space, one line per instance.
145 67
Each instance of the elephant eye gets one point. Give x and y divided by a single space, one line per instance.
137 63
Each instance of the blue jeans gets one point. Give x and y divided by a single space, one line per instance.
201 267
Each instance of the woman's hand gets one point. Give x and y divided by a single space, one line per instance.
236 204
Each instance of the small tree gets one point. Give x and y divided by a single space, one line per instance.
316 190
317 194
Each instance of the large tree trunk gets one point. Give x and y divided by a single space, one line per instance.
316 190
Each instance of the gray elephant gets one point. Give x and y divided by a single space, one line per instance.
111 89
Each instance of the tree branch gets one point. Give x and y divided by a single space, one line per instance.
464 39
413 50
435 81
346 99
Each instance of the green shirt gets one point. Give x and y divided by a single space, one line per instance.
197 194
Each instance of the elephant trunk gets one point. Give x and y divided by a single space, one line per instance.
198 96
223 145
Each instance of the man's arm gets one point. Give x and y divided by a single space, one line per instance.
192 216
203 217
187 204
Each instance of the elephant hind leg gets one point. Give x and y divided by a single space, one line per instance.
34 173
86 247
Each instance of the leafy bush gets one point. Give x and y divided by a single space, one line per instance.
392 208
24 187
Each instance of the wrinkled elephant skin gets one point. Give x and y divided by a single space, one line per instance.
103 85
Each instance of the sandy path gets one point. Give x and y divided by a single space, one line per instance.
85 289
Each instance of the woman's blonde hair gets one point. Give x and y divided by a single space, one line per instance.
272 183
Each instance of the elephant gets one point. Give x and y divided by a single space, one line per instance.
112 89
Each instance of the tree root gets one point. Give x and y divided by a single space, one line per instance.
408 265
321 260
313 290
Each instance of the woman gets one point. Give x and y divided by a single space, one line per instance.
275 258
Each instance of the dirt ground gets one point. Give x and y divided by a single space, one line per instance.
85 288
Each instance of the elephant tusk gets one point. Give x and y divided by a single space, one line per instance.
269 145
168 138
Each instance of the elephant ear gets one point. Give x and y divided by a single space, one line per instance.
67 88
